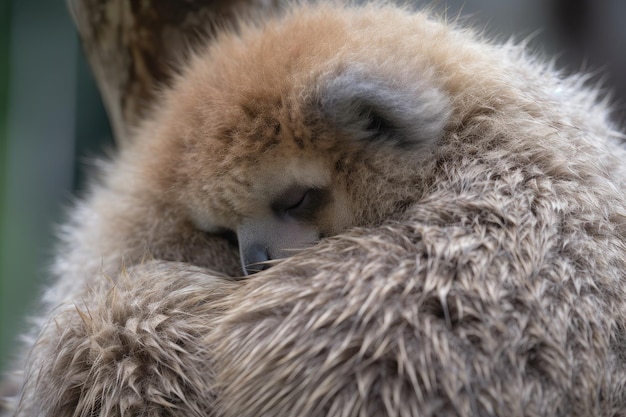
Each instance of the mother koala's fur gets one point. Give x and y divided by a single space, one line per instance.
499 291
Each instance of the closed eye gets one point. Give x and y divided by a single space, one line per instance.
300 203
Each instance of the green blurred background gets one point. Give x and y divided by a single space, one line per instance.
52 121
51 118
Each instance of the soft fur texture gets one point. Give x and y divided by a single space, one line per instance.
486 276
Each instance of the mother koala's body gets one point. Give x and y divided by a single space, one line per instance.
455 211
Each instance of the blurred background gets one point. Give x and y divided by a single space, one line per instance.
52 121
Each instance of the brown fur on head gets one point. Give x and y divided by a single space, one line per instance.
253 128
476 267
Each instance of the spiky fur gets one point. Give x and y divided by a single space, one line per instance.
489 280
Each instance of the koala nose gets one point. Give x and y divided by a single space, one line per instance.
252 258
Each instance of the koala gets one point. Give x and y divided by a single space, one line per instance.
306 156
346 210
281 154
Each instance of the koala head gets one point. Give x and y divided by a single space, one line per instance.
287 134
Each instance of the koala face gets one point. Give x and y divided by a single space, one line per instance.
281 142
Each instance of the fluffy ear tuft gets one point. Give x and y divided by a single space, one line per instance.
374 108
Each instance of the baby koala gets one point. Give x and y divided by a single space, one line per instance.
281 141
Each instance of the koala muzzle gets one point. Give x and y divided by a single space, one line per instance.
253 258
272 237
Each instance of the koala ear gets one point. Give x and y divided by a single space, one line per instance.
372 108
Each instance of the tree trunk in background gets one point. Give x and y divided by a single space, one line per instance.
131 45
